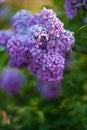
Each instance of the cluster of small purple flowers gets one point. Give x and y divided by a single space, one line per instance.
73 6
41 43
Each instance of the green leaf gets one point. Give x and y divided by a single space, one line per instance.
81 40
57 2
62 122
2 48
85 110
79 5
84 126
41 116
43 127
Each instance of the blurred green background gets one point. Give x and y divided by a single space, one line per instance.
29 110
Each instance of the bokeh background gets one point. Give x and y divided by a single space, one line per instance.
29 110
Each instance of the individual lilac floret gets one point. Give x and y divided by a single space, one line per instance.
11 81
50 91
18 49
5 36
21 21
50 43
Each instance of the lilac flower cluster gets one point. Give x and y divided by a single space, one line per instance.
11 81
50 43
41 43
73 6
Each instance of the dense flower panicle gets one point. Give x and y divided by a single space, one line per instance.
72 9
42 45
11 81
21 21
18 50
5 36
50 91
48 50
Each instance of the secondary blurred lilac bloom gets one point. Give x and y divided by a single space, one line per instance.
72 9
68 62
4 12
3 2
21 21
11 81
50 91
5 36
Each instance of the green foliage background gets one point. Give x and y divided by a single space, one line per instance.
29 110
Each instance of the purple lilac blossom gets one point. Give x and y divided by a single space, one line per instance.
5 36
50 43
43 47
11 81
21 21
18 50
72 9
50 91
